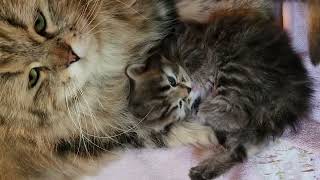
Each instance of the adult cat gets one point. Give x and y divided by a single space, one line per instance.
63 87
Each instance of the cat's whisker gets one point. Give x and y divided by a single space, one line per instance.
85 139
105 150
68 108
94 13
92 117
72 119
102 21
131 129
78 6
95 26
130 7
83 10
124 131
77 121
80 15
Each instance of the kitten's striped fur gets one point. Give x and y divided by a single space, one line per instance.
260 84
159 92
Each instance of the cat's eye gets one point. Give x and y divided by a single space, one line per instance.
172 81
40 24
34 76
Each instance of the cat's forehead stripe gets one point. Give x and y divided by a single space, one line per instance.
13 21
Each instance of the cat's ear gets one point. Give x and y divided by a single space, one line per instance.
134 71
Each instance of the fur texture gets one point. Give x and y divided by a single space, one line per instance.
200 10
63 87
159 92
260 85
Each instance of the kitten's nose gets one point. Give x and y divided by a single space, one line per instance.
64 54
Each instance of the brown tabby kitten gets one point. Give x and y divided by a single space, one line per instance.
260 85
63 91
160 97
159 92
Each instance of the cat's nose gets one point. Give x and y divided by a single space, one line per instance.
64 55
73 57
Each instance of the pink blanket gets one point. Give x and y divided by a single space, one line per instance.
291 157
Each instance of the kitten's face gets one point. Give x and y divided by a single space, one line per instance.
52 54
159 90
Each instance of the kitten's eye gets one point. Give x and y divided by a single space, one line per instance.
40 24
172 81
34 77
180 104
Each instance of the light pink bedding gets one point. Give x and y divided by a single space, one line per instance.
291 157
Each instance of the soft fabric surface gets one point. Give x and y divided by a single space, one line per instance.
291 157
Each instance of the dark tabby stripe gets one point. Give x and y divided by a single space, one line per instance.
94 147
157 139
14 22
164 88
9 75
164 112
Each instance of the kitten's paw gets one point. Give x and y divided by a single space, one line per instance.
191 133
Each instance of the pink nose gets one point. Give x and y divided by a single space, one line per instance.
64 55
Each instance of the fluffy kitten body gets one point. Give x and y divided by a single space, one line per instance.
260 85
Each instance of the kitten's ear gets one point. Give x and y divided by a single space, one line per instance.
154 62
134 71
165 61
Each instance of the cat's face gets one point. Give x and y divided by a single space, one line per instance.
159 90
44 47
53 54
